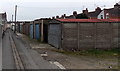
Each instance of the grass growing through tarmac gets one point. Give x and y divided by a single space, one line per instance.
93 52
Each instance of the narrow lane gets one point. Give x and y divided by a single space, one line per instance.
7 55
31 58
18 62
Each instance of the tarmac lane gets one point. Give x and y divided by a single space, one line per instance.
31 59
7 55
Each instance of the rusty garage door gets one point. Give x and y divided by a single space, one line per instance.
54 37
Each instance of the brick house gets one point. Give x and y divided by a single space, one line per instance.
73 16
3 18
112 13
91 15
85 14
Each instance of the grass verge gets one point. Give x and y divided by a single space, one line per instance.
93 52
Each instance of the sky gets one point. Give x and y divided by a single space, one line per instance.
34 9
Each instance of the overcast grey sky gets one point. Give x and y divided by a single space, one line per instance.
33 9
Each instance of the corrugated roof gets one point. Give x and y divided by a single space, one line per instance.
88 20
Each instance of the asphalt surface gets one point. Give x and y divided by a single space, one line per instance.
31 59
7 55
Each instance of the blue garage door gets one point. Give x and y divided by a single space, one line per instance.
31 31
37 31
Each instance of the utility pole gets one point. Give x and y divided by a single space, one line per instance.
15 16
12 18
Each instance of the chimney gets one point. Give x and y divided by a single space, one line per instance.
75 13
57 17
53 17
98 9
85 11
117 6
64 16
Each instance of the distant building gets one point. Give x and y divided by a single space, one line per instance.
84 15
89 15
3 18
112 13
73 16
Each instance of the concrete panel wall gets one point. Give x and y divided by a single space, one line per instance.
103 35
70 36
86 35
116 34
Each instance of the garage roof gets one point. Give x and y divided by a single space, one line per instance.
89 20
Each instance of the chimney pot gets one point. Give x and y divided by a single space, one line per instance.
53 17
57 16
75 13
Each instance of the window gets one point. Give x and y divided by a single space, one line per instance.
107 15
101 16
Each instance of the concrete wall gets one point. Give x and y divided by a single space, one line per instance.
70 36
86 35
116 34
77 36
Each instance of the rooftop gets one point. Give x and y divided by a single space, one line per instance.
89 20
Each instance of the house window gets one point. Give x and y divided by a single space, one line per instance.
107 15
101 16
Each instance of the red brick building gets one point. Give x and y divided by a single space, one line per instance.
92 14
112 13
